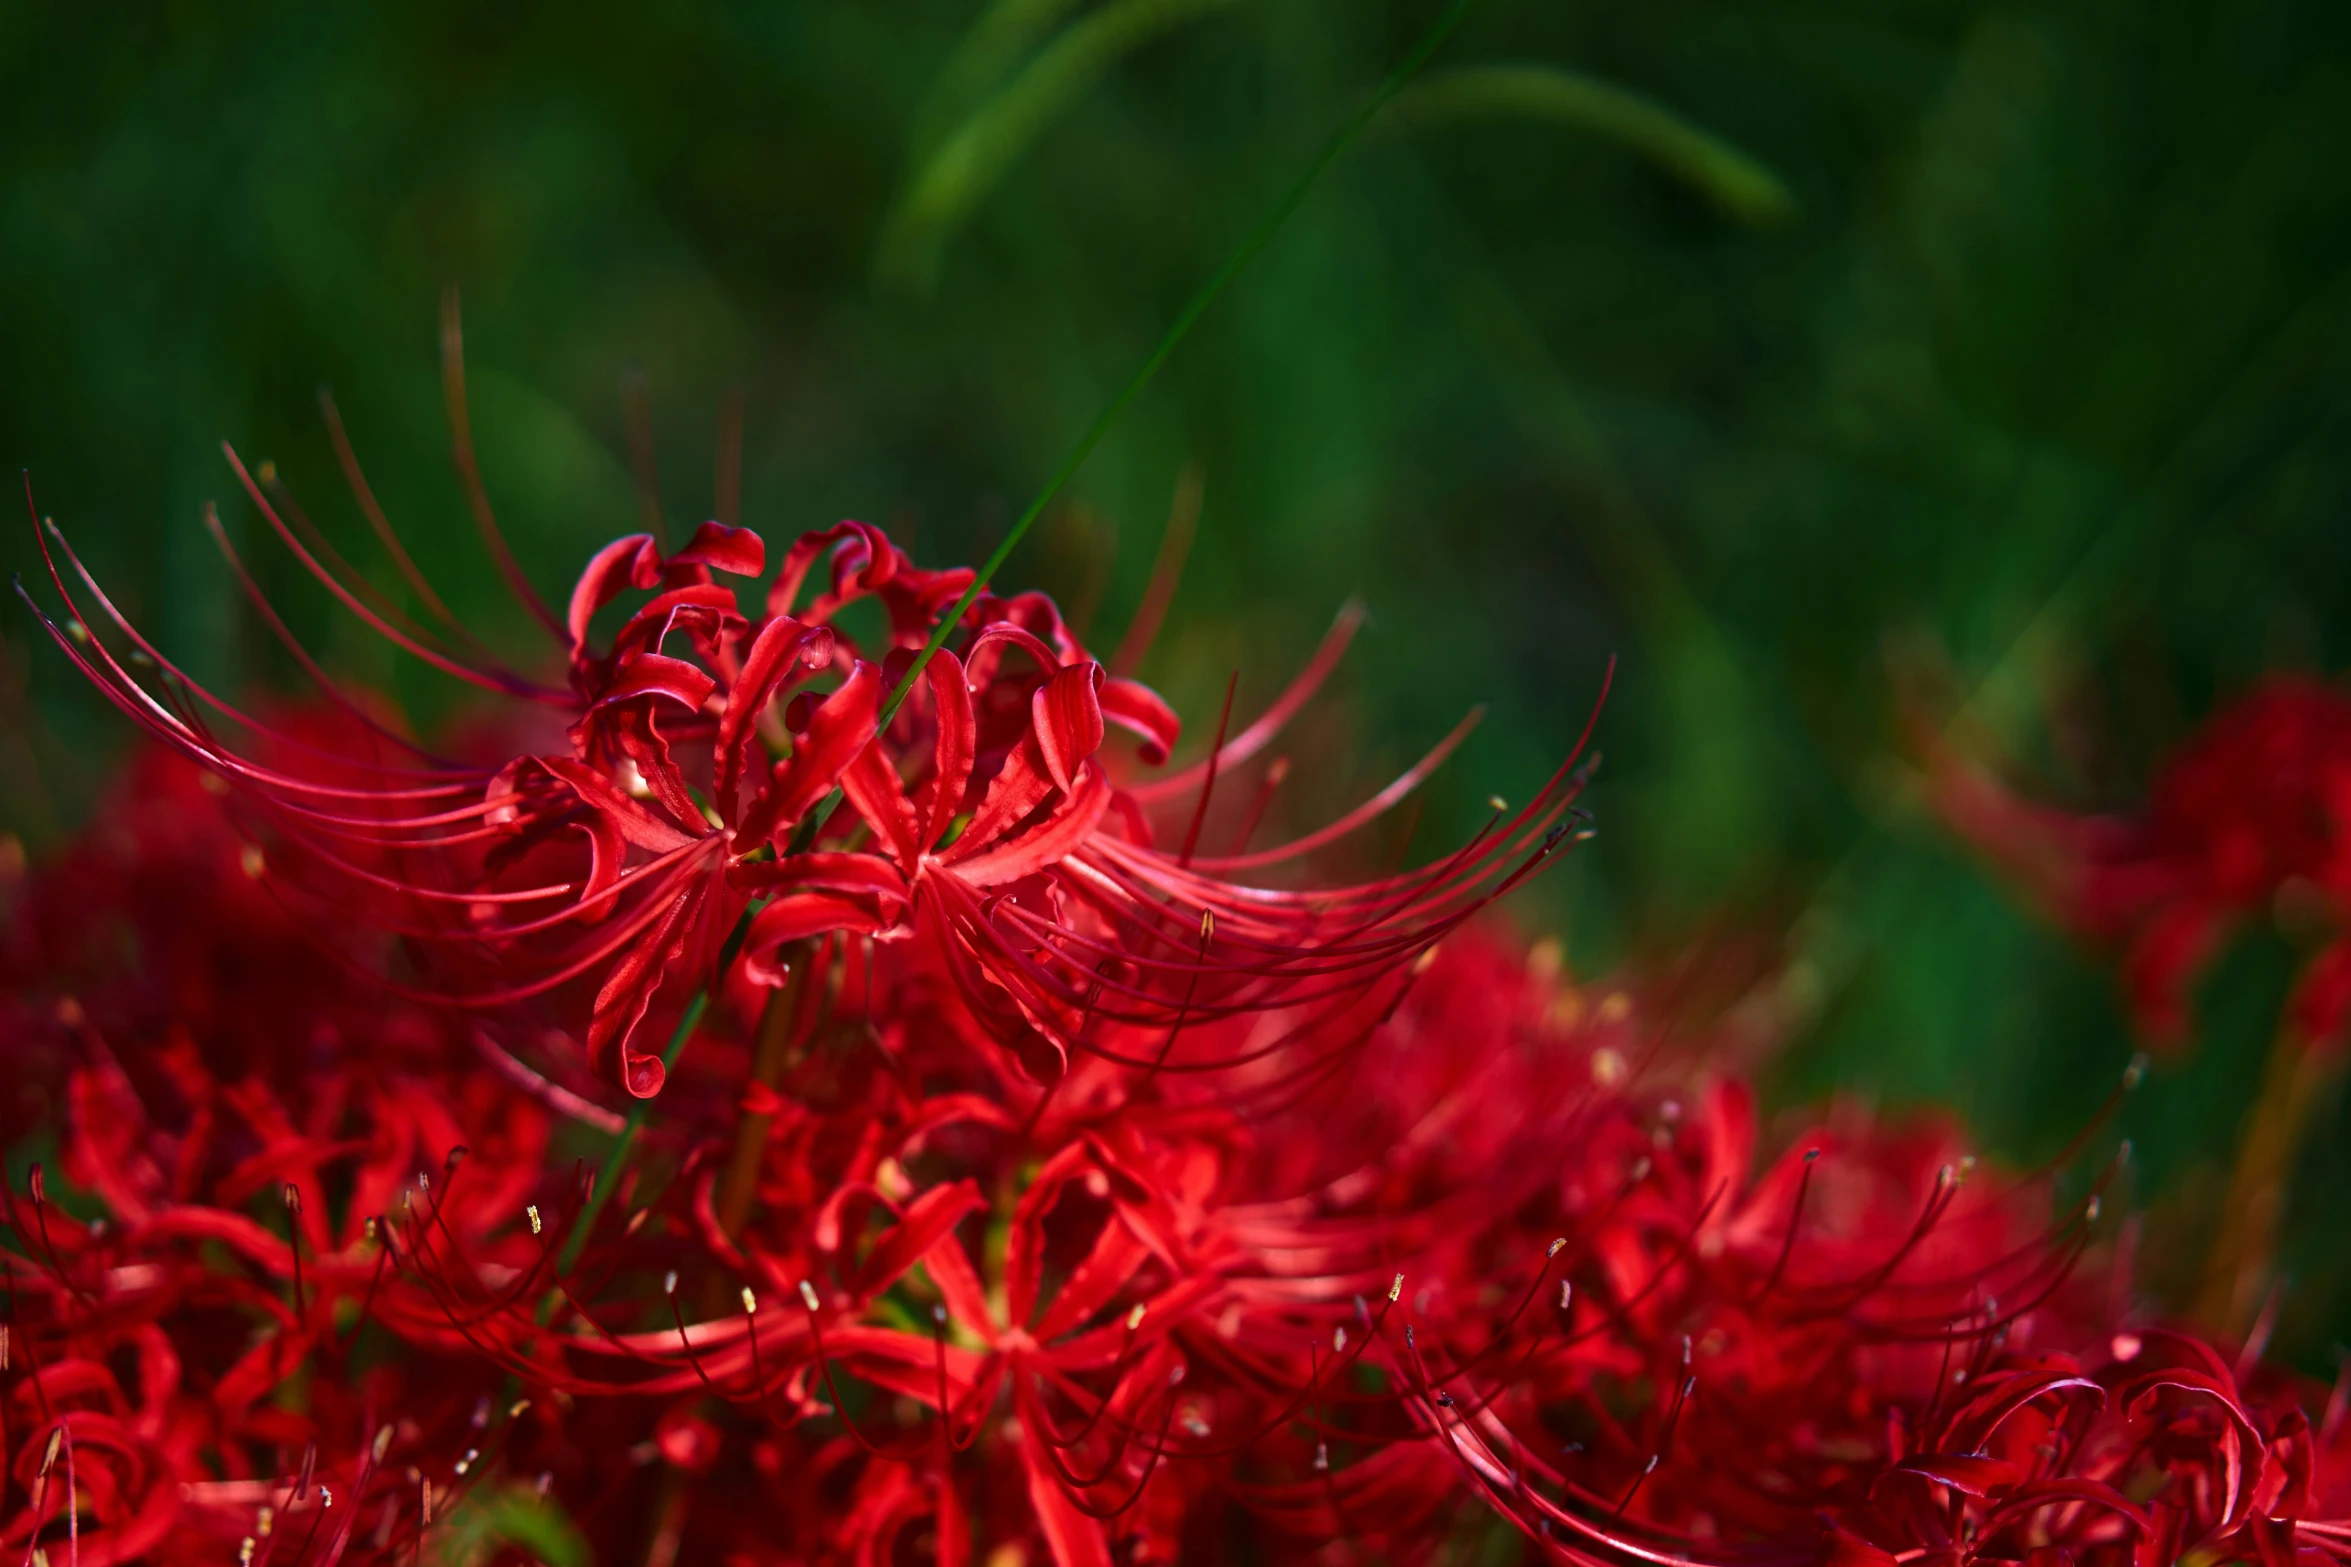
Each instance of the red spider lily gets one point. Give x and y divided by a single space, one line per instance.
209 1354
2255 804
1872 1333
1860 1304
1038 1183
239 1118
1078 933
232 1267
619 867
1308 1296
2252 813
455 1272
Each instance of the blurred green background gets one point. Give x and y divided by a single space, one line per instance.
1746 340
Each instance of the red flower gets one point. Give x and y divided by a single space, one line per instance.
1873 1348
1031 1185
2255 805
1455 1245
613 872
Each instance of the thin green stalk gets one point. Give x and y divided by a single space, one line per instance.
618 1160
1177 331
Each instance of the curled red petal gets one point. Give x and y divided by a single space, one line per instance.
832 870
797 917
1018 788
1143 712
873 790
782 646
841 726
1067 712
1042 846
918 1231
656 675
953 747
614 567
627 994
1971 1473
862 553
597 792
737 551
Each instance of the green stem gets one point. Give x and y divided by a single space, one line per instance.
1177 331
617 1161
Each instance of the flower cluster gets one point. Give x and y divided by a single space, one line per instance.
1019 1182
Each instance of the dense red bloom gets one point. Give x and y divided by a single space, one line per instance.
196 1359
1456 1247
987 818
2256 805
1032 1187
1865 1352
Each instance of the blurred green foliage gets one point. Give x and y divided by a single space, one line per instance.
1743 340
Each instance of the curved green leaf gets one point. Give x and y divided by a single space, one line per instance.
983 58
973 157
1737 183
